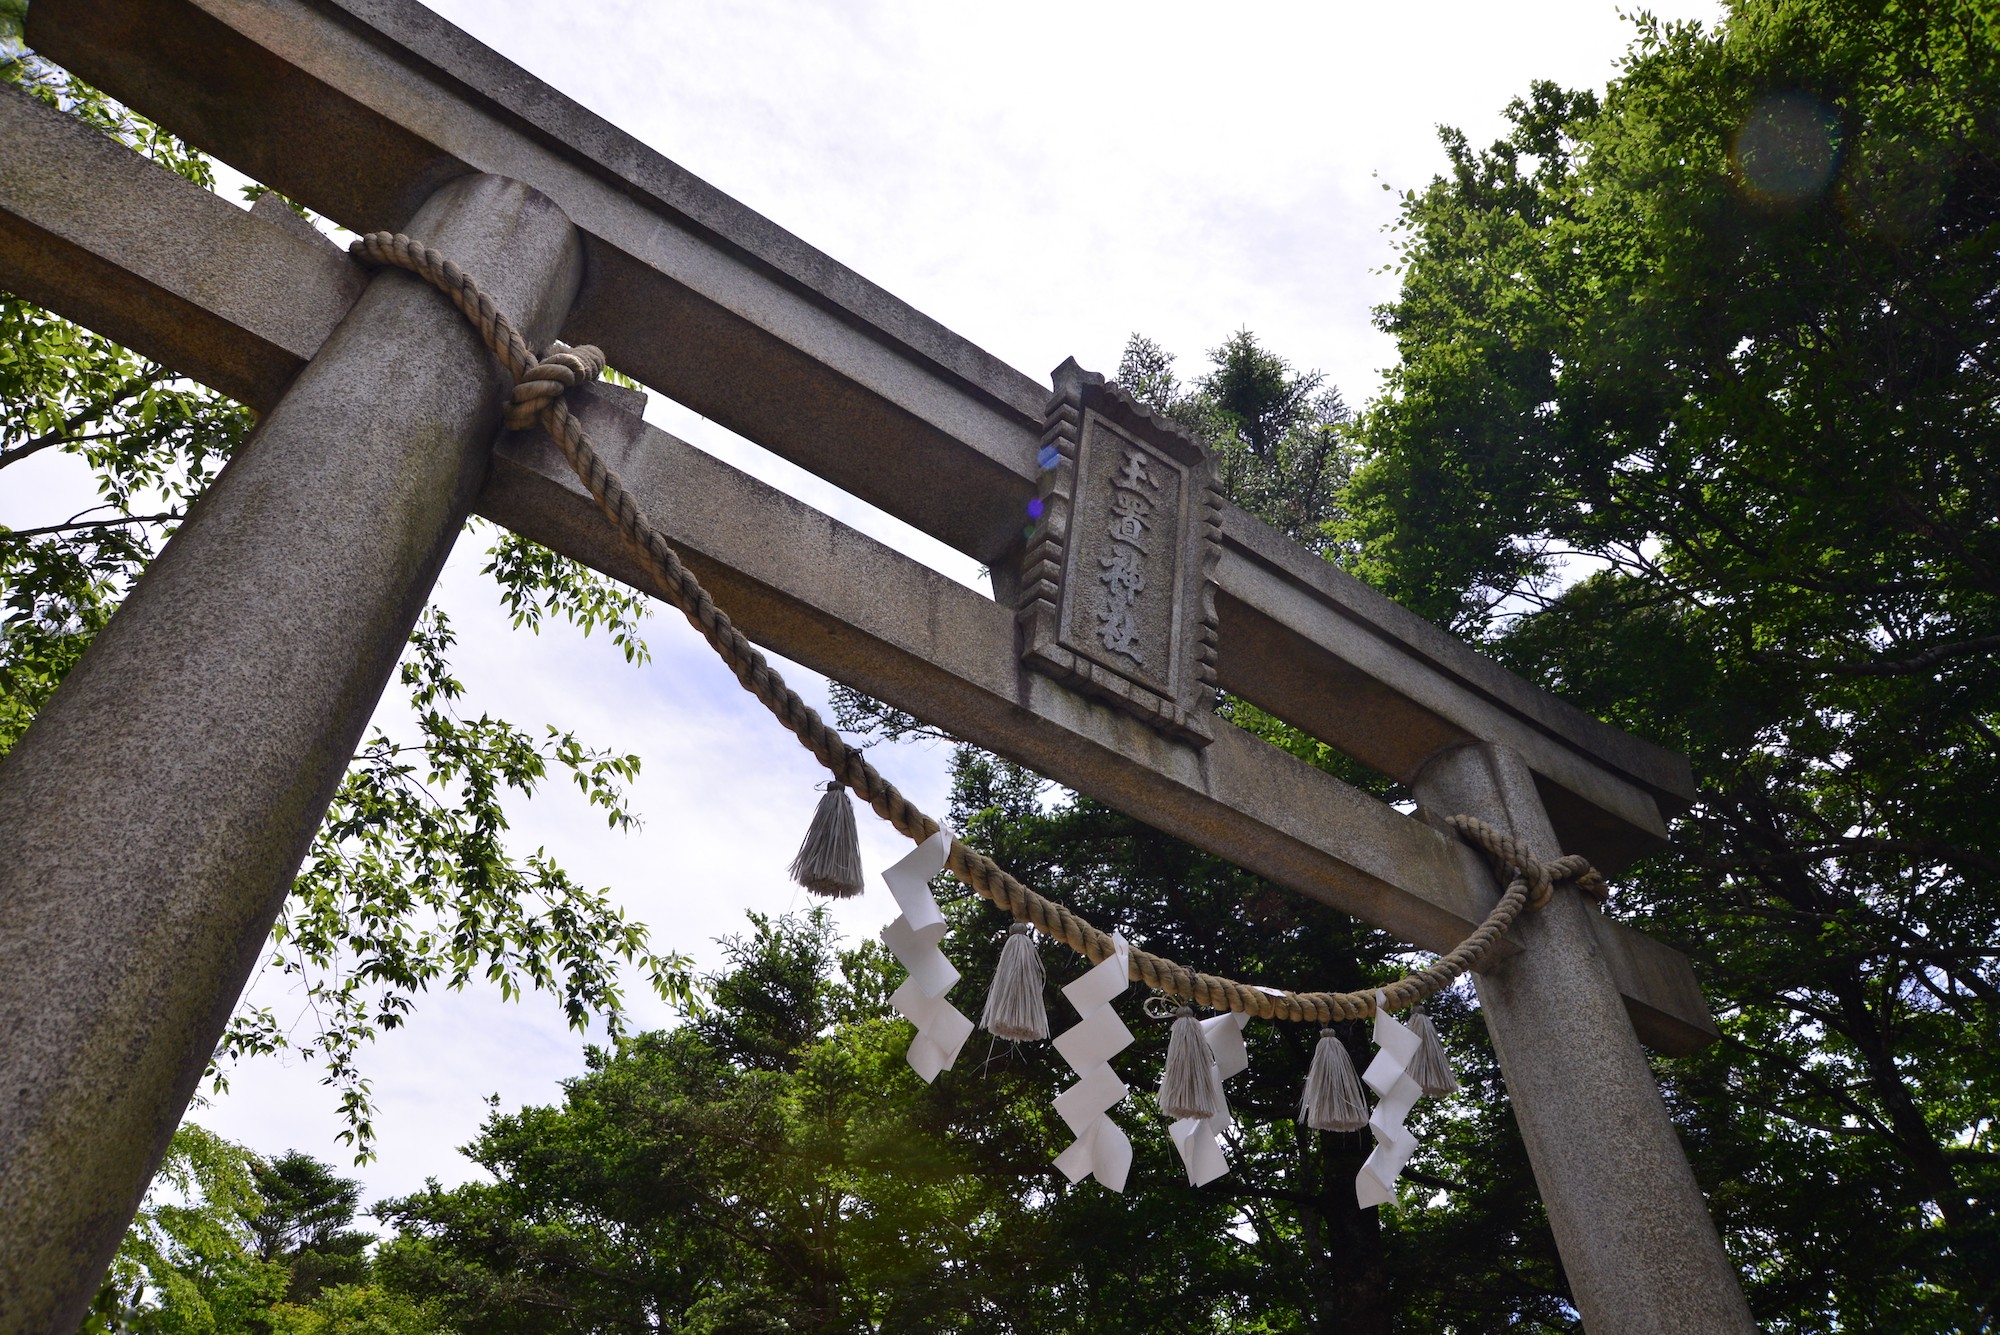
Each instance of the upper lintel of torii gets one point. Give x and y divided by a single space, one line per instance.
360 109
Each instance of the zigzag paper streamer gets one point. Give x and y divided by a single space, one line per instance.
1199 1139
1101 1147
1389 1076
913 938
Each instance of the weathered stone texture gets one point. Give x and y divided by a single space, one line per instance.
157 810
1115 595
1638 1247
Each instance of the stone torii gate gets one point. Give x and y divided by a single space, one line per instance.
153 818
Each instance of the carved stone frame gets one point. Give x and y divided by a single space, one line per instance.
1091 425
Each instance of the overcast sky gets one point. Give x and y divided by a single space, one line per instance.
1043 178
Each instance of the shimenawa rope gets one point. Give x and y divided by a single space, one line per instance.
537 398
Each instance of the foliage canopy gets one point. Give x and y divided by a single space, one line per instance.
1694 420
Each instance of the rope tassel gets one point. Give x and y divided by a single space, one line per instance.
1200 1140
1189 1087
829 861
1014 1006
1333 1100
1431 1069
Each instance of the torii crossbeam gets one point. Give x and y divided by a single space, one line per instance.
154 816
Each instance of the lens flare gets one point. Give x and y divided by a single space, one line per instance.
1787 148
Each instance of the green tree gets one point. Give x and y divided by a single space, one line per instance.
777 1166
304 1224
187 1266
1278 436
350 1309
411 880
227 1244
774 1166
1695 420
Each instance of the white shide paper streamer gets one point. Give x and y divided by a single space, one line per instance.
1199 1139
1101 1147
1389 1076
913 938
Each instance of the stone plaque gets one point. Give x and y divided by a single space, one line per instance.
1116 598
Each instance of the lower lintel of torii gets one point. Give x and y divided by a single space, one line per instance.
843 604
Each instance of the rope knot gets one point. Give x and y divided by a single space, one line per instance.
561 369
1514 862
538 384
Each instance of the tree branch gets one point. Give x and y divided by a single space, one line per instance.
1895 667
89 413
73 525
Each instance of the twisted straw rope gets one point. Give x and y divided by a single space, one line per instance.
537 398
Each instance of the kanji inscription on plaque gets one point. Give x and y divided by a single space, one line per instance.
1115 596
